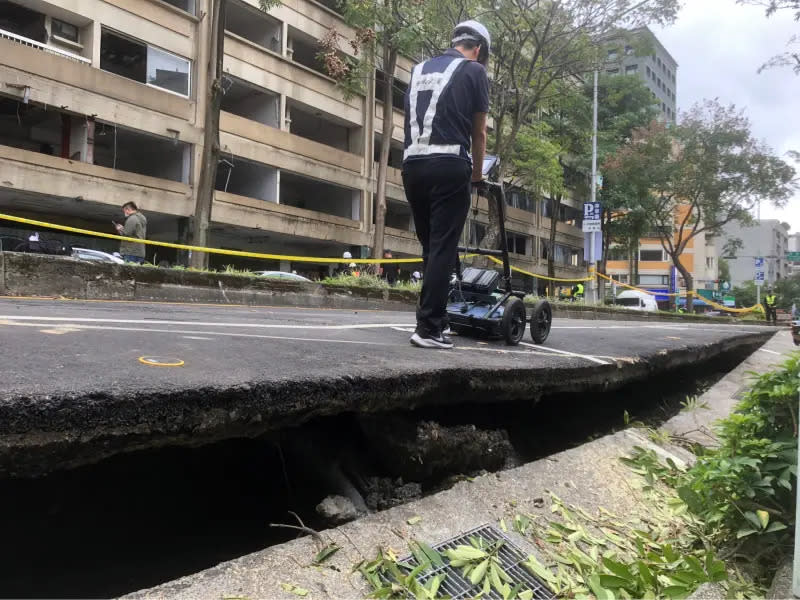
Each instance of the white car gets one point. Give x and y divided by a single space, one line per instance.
634 300
96 255
282 275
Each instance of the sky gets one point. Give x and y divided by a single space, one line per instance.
719 46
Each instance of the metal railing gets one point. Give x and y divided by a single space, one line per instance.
7 35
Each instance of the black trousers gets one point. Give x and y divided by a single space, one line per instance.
771 313
438 190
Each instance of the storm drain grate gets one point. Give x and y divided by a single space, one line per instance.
511 557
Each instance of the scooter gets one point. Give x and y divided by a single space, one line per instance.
482 302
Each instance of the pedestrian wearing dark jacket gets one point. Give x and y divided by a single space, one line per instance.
135 227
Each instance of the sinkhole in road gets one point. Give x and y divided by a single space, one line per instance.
143 518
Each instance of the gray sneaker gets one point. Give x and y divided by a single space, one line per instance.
429 341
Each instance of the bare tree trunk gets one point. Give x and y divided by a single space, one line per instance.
687 277
211 147
555 204
389 63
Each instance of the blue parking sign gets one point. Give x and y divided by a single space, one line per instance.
592 211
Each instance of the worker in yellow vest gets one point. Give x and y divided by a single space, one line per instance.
577 291
770 306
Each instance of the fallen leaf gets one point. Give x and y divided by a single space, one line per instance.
293 589
414 520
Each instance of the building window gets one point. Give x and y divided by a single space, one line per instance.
613 54
517 244
651 255
137 61
653 280
65 31
185 5
477 231
628 50
620 277
631 69
647 71
710 262
612 71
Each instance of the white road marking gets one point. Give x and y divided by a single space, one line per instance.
584 356
405 329
212 333
770 351
204 324
196 337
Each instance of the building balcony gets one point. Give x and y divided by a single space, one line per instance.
290 143
46 48
55 177
269 70
397 117
232 209
57 80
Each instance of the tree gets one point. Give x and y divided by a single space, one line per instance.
539 43
384 30
624 104
699 176
790 58
724 271
209 158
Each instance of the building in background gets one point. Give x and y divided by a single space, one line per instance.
768 238
657 69
655 269
103 102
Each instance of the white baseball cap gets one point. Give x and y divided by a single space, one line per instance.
347 254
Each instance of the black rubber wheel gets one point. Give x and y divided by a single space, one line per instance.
541 320
513 323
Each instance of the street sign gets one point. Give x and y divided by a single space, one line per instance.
793 256
759 272
592 217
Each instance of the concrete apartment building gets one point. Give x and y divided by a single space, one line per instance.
102 102
658 70
766 237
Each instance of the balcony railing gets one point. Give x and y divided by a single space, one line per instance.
7 35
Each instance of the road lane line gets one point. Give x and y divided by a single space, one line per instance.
204 324
212 333
564 352
770 351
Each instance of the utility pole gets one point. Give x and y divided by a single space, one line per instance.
592 236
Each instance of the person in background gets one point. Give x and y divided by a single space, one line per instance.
391 270
771 306
135 227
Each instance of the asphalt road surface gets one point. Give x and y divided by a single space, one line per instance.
62 347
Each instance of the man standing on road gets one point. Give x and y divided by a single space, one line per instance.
445 115
391 270
135 227
770 306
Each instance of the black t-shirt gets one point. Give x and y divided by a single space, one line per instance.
443 95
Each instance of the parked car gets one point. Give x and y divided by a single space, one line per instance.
634 300
282 275
96 255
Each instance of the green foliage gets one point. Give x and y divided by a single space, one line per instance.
743 491
607 556
536 160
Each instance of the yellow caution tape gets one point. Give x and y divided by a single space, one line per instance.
687 293
111 236
524 272
631 287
